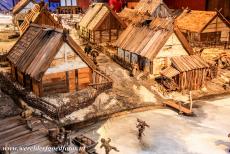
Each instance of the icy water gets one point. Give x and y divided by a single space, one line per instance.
170 133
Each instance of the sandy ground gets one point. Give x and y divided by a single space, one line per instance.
6 46
170 133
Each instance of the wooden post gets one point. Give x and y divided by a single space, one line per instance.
109 35
100 36
124 54
151 67
94 36
130 54
190 98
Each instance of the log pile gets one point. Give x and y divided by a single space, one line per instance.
167 83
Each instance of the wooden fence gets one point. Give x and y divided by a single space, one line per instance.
101 83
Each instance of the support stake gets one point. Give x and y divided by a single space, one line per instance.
190 98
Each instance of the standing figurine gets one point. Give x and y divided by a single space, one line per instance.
107 146
141 127
134 69
88 49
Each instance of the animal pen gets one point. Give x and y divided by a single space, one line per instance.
48 61
205 28
100 24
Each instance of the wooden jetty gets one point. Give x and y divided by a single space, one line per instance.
178 106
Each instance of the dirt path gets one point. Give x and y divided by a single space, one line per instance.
132 90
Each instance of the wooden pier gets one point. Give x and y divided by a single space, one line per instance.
178 106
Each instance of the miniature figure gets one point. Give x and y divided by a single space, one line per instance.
141 127
87 49
134 69
107 146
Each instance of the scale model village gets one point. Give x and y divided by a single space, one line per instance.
115 76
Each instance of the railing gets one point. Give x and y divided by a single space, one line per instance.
57 112
16 92
101 81
209 44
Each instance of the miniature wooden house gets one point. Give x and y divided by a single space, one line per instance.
23 6
38 15
46 60
101 24
145 9
188 72
204 28
156 8
151 46
20 9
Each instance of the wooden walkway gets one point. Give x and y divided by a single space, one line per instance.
15 133
178 106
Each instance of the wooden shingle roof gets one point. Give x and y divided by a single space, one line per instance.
170 72
21 4
147 41
188 63
36 48
96 14
37 15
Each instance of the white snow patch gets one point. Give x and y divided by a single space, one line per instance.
111 103
80 114
203 143
144 93
101 101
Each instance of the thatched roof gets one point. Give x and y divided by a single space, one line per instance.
156 8
132 16
195 21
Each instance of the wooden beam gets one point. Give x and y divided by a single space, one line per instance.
109 35
100 36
